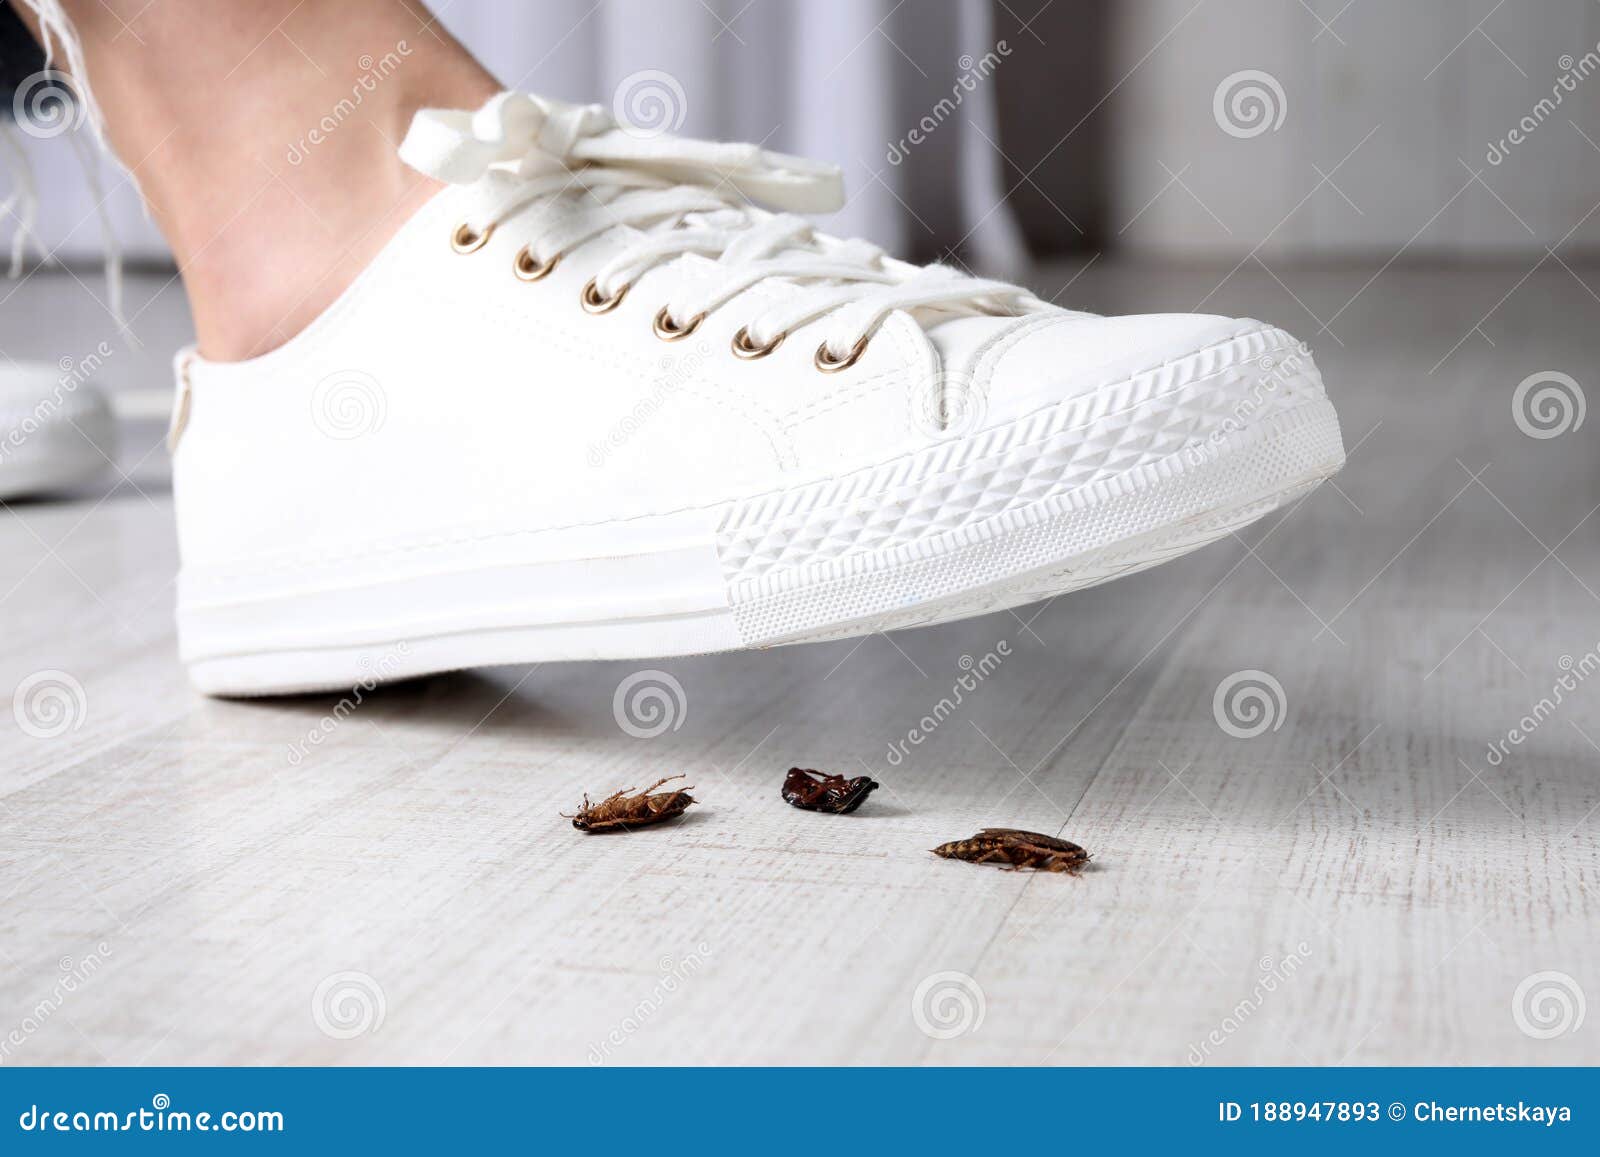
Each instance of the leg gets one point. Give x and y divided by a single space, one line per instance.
263 136
659 782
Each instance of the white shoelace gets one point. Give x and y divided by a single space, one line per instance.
587 174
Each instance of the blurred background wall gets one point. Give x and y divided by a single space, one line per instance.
1343 129
1178 130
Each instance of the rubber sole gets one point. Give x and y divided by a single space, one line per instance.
687 591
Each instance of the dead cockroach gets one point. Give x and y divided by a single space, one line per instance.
623 810
816 792
1018 849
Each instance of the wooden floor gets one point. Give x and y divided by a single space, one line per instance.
183 880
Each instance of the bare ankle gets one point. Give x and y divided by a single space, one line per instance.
266 150
259 271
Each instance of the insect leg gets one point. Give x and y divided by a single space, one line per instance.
659 782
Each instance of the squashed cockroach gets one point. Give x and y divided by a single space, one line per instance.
623 811
816 792
1018 850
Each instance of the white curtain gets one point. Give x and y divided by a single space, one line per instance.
842 80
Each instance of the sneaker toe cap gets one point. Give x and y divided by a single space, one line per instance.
1047 360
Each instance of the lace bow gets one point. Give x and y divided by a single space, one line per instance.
538 136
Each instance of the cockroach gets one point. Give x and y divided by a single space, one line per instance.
1018 850
816 792
623 810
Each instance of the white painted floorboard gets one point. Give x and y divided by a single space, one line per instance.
214 883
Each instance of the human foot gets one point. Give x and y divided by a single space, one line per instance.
267 157
589 404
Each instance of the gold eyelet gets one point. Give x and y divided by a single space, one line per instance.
825 362
527 269
669 330
594 303
466 239
744 348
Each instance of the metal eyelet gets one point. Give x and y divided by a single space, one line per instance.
466 239
668 330
594 303
825 361
527 269
744 348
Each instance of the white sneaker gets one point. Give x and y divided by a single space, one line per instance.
589 404
56 430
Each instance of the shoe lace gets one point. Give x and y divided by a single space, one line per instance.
585 174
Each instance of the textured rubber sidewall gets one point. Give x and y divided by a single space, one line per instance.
905 585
